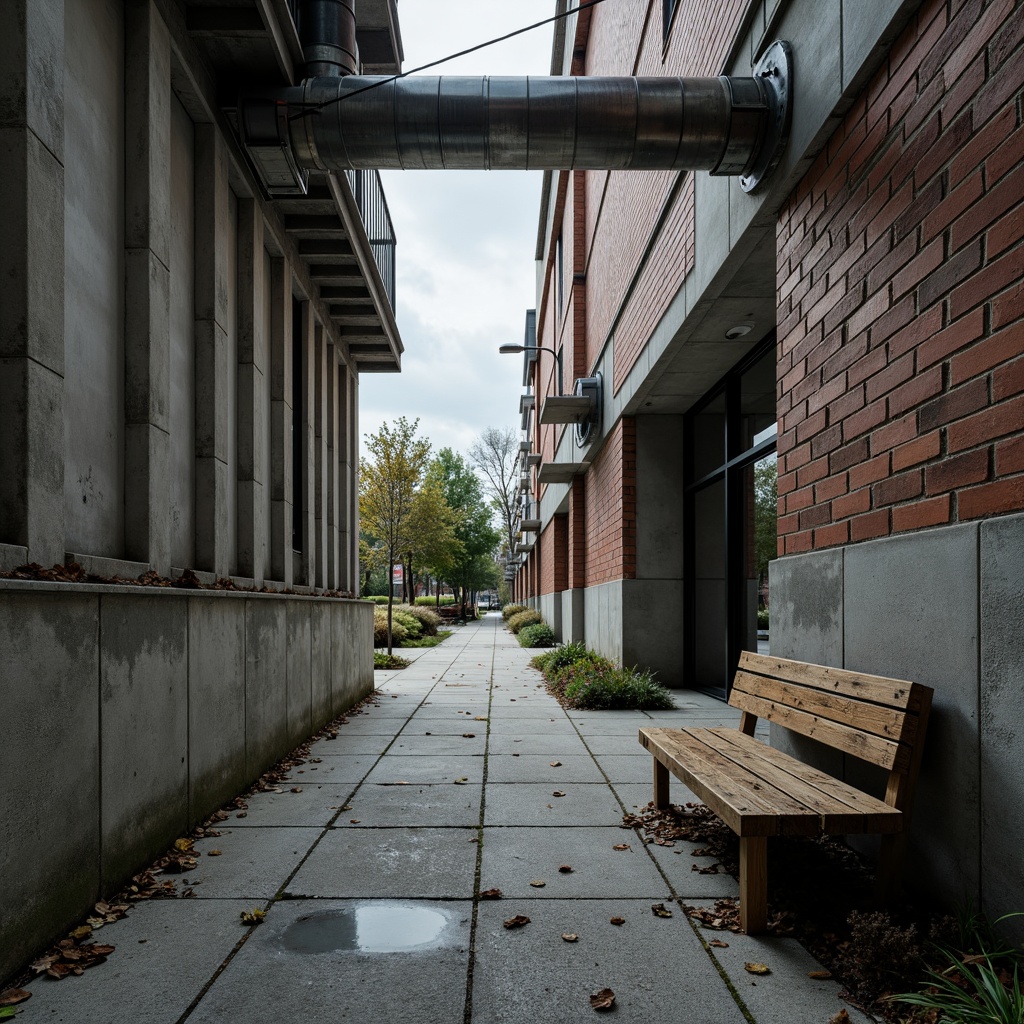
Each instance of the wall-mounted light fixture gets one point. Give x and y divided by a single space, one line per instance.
511 350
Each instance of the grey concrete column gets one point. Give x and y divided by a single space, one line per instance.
251 370
348 483
281 511
331 461
305 574
32 272
319 425
147 117
211 365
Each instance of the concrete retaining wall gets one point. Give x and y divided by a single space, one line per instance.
940 607
131 714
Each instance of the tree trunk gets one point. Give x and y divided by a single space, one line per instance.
391 598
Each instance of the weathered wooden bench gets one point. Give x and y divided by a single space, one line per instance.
759 791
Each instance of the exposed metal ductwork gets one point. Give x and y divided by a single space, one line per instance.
327 30
725 125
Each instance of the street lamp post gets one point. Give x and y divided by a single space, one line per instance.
512 349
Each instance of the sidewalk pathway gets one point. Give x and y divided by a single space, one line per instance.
444 789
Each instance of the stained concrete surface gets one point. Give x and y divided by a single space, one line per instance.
431 847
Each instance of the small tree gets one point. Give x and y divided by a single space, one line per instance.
496 455
766 511
387 489
435 546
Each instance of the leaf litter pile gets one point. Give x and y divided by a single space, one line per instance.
77 951
819 892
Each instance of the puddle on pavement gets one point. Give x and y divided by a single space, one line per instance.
367 929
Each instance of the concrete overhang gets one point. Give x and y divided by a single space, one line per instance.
524 547
565 409
530 525
525 447
533 458
526 403
560 472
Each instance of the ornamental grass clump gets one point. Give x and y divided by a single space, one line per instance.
604 689
528 617
540 634
428 620
380 629
513 609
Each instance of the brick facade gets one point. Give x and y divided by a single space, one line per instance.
611 509
901 317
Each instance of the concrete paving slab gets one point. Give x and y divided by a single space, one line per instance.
422 806
513 857
638 794
612 744
457 745
317 804
253 865
627 768
538 768
611 727
389 726
450 725
552 747
350 745
553 979
785 995
341 768
152 976
393 863
424 986
428 769
445 712
532 803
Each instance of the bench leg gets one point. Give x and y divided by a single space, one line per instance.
889 876
661 783
753 884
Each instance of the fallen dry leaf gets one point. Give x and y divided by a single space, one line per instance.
621 846
570 936
558 792
183 845
296 789
469 735
462 781
757 968
565 869
242 814
556 764
13 996
718 944
491 894
516 922
819 975
618 920
480 718
538 883
253 917
842 1017
603 1000
213 853
82 932
354 821
660 910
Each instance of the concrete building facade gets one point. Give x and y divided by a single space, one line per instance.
846 345
180 353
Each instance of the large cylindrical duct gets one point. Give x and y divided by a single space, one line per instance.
327 31
725 125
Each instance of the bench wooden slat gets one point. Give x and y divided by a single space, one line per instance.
878 720
843 810
875 749
894 693
747 804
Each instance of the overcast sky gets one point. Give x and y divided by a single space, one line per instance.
466 242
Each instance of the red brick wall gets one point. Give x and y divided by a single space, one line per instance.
611 508
577 540
554 557
624 209
901 312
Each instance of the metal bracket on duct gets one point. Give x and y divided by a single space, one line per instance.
725 125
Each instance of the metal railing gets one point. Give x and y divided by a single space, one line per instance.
373 208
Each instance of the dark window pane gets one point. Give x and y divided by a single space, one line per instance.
709 591
757 402
709 438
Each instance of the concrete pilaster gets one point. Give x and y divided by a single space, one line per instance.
147 287
32 271
252 412
334 432
281 423
318 408
212 238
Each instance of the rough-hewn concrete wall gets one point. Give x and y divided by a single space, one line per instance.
130 714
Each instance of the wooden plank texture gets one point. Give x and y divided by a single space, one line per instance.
895 693
891 723
875 749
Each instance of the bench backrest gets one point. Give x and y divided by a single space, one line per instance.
879 720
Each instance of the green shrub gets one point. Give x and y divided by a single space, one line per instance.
589 662
380 629
567 654
430 602
428 620
524 618
762 618
512 609
381 659
412 626
538 635
596 686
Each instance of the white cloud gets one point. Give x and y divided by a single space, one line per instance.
466 240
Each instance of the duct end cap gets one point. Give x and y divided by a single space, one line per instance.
775 71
